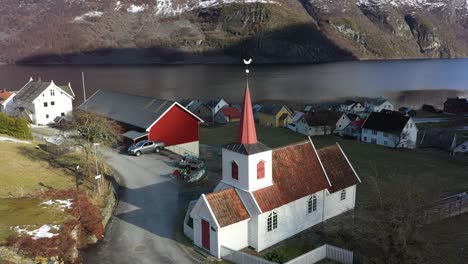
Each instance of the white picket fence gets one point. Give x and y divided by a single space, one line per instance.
239 257
324 252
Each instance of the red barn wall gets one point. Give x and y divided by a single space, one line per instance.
175 127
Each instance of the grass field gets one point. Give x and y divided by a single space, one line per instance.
26 212
22 174
434 174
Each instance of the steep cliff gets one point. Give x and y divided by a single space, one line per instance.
222 31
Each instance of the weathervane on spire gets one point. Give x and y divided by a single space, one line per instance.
247 62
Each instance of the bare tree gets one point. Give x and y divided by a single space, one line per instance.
403 140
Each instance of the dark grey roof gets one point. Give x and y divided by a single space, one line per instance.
376 101
138 111
272 109
194 106
389 121
33 89
132 134
247 149
352 117
213 102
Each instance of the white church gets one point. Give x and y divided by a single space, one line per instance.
268 195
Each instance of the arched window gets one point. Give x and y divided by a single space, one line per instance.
261 170
234 170
312 204
343 195
272 221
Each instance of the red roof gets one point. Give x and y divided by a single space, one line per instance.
358 123
232 112
4 96
339 171
247 133
227 207
297 173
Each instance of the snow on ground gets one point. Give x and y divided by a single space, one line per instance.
137 8
169 8
63 204
13 140
41 232
89 14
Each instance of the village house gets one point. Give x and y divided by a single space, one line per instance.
216 104
353 130
390 129
144 117
6 102
256 111
378 104
201 110
317 123
456 105
352 107
296 117
275 115
407 111
228 115
452 141
343 122
268 195
41 102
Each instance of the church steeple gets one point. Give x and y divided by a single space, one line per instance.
247 133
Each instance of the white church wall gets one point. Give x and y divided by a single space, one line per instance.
199 214
292 219
254 183
253 231
242 161
335 206
234 236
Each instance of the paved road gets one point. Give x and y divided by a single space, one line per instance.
431 119
143 227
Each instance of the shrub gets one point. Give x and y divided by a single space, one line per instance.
15 127
276 256
86 217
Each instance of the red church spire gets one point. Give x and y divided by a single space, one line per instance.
247 133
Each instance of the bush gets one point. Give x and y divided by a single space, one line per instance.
276 256
86 217
15 127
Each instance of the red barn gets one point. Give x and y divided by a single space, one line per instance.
149 118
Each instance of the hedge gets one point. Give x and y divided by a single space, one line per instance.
15 127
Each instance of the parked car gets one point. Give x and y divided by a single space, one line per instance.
145 146
191 162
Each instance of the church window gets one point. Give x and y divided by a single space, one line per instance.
234 170
343 195
312 204
261 170
272 221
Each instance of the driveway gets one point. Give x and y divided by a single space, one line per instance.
143 227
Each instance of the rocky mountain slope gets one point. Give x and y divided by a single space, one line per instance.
187 31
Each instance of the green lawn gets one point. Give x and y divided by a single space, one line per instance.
24 170
272 137
26 213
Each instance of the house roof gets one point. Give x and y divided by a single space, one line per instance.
247 149
321 118
195 105
296 173
352 117
232 112
350 102
132 134
339 171
297 116
5 95
272 109
456 102
391 122
358 123
227 207
213 102
135 110
284 116
33 89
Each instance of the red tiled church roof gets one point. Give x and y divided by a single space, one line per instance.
339 171
296 173
227 207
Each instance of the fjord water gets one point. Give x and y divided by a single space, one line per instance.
303 83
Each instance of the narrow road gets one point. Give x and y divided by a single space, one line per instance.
143 227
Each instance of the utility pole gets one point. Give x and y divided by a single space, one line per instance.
84 88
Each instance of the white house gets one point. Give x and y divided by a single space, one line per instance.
41 102
352 107
216 104
268 195
317 123
390 129
344 120
378 104
460 143
6 102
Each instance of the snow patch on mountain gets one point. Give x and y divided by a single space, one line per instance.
136 8
431 4
89 14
